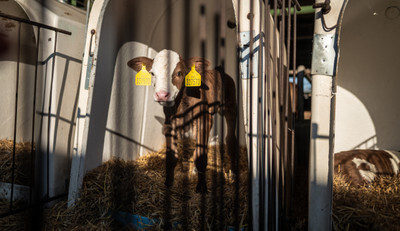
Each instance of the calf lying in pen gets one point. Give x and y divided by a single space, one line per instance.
362 166
190 106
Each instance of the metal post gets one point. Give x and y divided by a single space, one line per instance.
300 92
15 119
274 189
49 118
323 111
33 117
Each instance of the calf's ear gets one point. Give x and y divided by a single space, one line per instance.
136 63
200 63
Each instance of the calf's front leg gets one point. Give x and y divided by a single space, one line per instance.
231 140
200 155
170 159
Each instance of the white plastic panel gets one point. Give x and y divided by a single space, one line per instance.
368 76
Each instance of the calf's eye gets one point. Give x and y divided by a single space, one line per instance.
179 74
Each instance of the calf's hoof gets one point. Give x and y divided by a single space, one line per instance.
169 182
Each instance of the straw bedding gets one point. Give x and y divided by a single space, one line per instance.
137 187
369 207
22 162
15 222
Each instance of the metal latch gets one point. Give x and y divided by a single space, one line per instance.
90 61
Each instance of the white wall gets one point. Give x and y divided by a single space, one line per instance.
132 128
367 109
8 75
116 106
65 84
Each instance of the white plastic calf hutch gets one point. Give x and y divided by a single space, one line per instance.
118 118
40 62
355 90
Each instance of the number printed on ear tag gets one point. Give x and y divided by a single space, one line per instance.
143 77
193 78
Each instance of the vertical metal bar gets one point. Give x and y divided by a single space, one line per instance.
33 118
220 47
186 49
49 118
300 93
237 153
187 25
216 176
250 113
15 118
283 141
186 181
260 124
293 130
267 115
169 154
287 159
203 37
275 158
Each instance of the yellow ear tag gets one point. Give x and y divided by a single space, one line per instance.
143 77
193 78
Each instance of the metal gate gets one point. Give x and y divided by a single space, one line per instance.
25 156
272 113
266 56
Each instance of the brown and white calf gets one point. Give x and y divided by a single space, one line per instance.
362 166
195 105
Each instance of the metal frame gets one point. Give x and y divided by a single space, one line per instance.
34 149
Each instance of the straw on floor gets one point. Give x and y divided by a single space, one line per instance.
137 187
374 206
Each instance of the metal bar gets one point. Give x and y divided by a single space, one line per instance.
267 116
283 134
297 4
186 49
221 49
203 37
293 130
33 118
49 119
323 120
300 92
34 23
168 137
275 175
287 164
238 96
15 119
250 113
260 126
215 210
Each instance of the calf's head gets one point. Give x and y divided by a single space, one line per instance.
168 72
